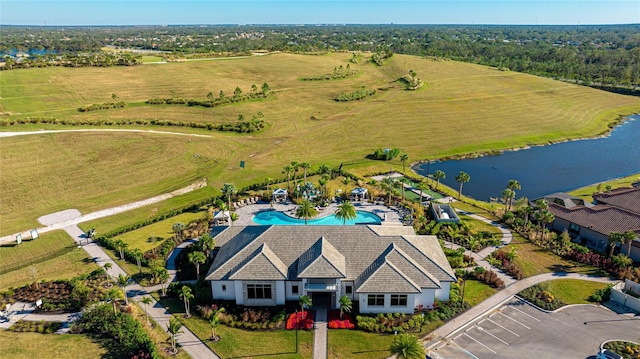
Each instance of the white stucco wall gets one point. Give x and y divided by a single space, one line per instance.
635 250
289 294
239 293
218 293
443 293
386 308
280 292
426 298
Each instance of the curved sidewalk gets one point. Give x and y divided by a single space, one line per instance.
452 326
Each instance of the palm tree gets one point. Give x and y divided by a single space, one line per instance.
306 210
513 185
229 190
197 258
628 238
438 175
177 228
305 166
404 158
346 182
372 183
345 305
615 238
474 243
305 301
163 277
207 243
295 167
462 178
174 329
346 211
406 346
108 266
288 169
389 184
121 246
113 294
123 281
401 183
186 294
422 186
508 195
137 254
146 301
214 323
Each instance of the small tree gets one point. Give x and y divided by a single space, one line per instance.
406 346
207 243
113 295
163 277
462 178
177 228
305 301
345 305
137 254
197 258
404 158
306 210
346 211
146 301
229 190
438 175
186 294
174 329
123 281
108 266
121 246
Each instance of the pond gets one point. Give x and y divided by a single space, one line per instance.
548 169
279 218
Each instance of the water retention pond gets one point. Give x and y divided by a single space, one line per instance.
548 169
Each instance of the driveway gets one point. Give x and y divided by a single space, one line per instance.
518 330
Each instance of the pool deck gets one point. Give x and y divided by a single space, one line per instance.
246 213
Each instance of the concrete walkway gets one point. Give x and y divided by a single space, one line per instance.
457 323
320 334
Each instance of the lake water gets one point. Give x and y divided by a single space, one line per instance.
548 169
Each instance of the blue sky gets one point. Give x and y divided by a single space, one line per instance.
159 12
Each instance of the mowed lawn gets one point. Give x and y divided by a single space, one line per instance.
12 254
50 346
466 108
573 291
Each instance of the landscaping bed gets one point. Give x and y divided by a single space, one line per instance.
35 327
539 296
627 350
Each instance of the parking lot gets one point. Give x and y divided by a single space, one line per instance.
519 330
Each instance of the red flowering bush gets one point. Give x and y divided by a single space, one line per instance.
304 321
336 323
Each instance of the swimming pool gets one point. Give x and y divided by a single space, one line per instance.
279 218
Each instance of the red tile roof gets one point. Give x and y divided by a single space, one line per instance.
601 218
625 198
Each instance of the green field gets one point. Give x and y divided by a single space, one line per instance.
467 108
573 291
12 255
586 192
53 346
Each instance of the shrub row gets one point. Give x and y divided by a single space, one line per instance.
35 327
253 125
209 102
102 106
338 73
488 276
389 323
508 265
354 96
540 297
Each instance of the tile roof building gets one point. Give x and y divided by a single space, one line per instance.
591 224
384 268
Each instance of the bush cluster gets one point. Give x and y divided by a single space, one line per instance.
102 106
601 295
389 323
246 318
41 327
354 96
488 276
508 265
210 102
338 73
626 349
540 297
126 333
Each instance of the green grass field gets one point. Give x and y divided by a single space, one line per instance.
12 254
468 108
53 346
588 191
573 291
65 266
476 292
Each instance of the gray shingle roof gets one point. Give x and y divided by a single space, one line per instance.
603 219
360 246
262 264
322 260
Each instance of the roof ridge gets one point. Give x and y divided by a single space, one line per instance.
417 266
254 255
427 257
227 260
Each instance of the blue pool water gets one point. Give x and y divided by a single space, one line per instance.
279 218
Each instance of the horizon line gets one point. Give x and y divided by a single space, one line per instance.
319 24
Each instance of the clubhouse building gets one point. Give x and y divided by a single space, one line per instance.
382 268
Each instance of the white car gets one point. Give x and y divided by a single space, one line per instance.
608 354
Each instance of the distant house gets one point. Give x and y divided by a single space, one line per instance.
383 268
590 224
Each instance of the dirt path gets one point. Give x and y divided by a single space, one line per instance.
65 221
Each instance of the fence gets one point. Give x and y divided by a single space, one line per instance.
35 259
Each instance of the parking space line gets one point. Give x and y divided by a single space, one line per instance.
513 320
464 350
489 319
472 338
485 331
530 316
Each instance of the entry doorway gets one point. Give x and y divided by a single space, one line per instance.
322 300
